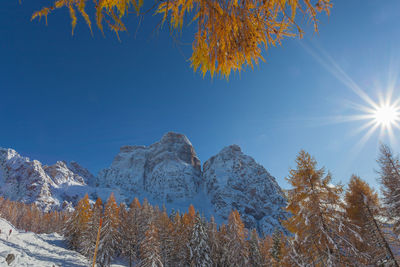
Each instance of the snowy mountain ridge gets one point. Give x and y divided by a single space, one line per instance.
167 173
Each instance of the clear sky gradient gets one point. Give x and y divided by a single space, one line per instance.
80 97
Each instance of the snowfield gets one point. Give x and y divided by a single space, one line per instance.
31 249
35 250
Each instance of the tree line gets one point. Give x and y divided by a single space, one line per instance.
328 226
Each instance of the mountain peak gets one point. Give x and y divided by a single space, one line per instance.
8 153
231 149
173 137
165 172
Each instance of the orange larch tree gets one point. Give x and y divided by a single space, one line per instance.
228 35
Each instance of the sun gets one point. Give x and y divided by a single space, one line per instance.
382 116
386 115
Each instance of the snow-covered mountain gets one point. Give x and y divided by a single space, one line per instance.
167 173
234 180
167 170
31 182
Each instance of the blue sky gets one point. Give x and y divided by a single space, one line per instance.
80 97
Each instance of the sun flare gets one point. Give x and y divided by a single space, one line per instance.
386 115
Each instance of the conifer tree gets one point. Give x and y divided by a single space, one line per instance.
236 245
137 229
212 232
182 226
150 249
228 34
109 235
362 208
223 253
199 244
390 178
129 231
265 251
77 224
276 248
255 257
320 228
165 229
90 235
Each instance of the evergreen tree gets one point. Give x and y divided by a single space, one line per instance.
130 232
198 246
236 245
276 249
150 249
164 225
255 257
213 242
109 236
77 224
362 208
90 235
390 179
223 254
320 228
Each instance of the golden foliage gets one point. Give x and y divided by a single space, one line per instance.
322 232
230 33
109 10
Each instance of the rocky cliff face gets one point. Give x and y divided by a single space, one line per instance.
166 172
29 181
236 181
169 171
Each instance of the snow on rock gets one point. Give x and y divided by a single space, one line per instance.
89 178
167 173
167 170
236 181
29 181
61 174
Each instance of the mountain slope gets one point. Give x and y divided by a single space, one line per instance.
167 170
31 182
31 249
168 173
236 181
44 250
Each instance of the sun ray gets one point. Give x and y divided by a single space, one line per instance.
360 144
381 114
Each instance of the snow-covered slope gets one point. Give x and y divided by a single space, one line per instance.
168 170
31 249
38 250
167 173
31 182
236 181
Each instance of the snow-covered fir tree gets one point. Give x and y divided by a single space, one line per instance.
255 257
276 248
150 249
165 227
77 224
236 243
362 208
390 178
199 244
130 232
90 234
213 241
110 237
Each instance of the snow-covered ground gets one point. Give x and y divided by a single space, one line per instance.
35 250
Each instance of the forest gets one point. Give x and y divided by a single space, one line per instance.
328 225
